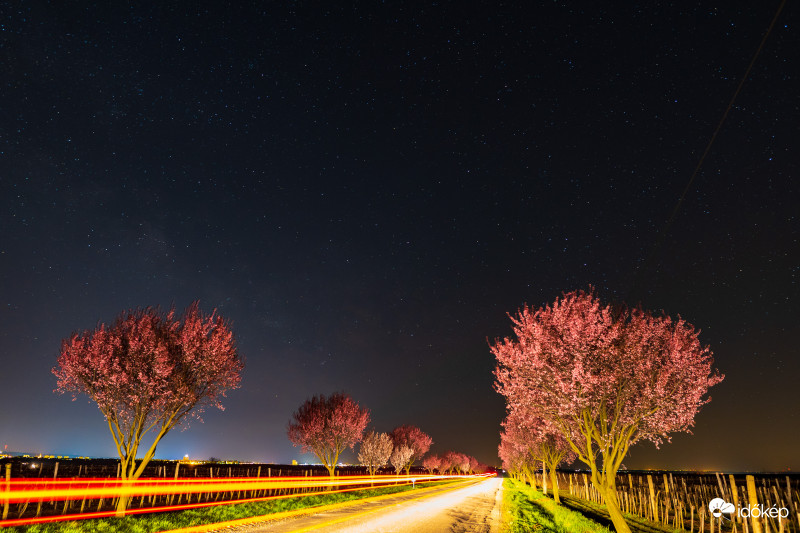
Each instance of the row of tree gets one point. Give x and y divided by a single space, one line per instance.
527 441
150 371
453 463
327 425
586 380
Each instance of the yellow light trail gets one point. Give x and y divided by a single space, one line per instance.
168 508
27 490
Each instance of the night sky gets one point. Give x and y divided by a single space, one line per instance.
365 192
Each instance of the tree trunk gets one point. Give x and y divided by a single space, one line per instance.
531 478
544 478
609 493
332 472
616 517
122 505
531 474
122 475
554 483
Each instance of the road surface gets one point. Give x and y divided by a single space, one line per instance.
471 509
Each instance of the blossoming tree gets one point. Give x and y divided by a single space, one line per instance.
375 451
148 372
465 464
401 456
604 378
326 426
431 463
554 450
416 439
518 449
452 462
473 464
538 440
514 460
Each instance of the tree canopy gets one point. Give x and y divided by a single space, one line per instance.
150 371
604 377
416 439
326 426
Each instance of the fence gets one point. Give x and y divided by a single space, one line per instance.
682 500
34 467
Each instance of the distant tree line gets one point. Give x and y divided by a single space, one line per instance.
327 426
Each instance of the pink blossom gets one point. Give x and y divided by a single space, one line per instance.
600 378
416 439
326 426
150 371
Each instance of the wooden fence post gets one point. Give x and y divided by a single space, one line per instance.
752 497
735 502
7 489
172 496
55 475
653 506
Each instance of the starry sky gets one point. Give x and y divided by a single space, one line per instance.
365 190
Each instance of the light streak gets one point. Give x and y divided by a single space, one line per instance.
27 490
30 490
166 508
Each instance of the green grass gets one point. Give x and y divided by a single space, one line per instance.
598 511
528 510
150 523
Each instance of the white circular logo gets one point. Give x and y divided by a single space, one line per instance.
718 507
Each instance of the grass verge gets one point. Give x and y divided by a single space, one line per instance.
151 523
528 510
